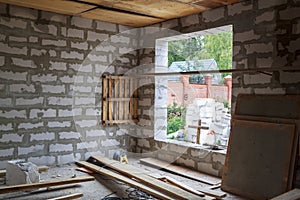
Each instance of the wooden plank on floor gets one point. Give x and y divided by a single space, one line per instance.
290 195
57 6
200 192
181 185
213 193
183 171
68 197
123 179
258 159
32 186
141 175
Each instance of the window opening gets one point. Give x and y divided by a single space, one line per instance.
198 105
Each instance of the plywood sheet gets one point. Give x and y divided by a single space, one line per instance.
120 17
258 159
58 6
296 138
166 9
281 106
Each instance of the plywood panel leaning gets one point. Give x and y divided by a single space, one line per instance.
258 159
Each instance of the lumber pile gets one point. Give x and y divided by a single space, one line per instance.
262 148
164 188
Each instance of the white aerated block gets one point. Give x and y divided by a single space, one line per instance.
21 172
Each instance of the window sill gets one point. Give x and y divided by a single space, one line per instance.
192 146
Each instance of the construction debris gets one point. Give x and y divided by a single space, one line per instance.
21 172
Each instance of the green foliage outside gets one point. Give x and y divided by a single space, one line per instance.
213 46
176 118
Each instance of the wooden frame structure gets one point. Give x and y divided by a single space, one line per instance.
119 100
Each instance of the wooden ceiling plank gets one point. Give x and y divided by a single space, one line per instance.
120 18
57 6
166 9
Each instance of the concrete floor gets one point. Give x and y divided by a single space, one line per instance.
94 190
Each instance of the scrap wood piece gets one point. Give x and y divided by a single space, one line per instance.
32 186
40 169
141 175
200 192
258 159
124 179
181 185
213 193
183 171
290 195
85 170
68 197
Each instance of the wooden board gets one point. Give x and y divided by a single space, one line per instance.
172 181
166 9
296 138
32 186
200 192
141 176
183 171
57 6
68 197
258 159
280 106
123 179
120 17
290 195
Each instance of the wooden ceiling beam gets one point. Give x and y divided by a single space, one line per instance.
57 6
166 9
120 18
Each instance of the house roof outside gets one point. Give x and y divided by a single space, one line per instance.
195 65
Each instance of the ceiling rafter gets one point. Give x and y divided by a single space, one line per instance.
135 13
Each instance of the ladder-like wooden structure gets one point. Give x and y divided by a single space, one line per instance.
119 100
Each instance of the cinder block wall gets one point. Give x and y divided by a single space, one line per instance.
50 89
266 34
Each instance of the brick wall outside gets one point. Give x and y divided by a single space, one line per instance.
184 93
50 87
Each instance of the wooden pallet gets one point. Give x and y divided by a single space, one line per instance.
119 100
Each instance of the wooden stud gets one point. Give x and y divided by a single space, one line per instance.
68 197
116 103
140 175
124 179
126 104
198 132
104 102
131 90
121 96
32 186
135 111
110 104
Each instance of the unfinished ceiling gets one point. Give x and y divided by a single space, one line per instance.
135 13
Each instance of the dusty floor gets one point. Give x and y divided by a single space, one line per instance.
95 190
